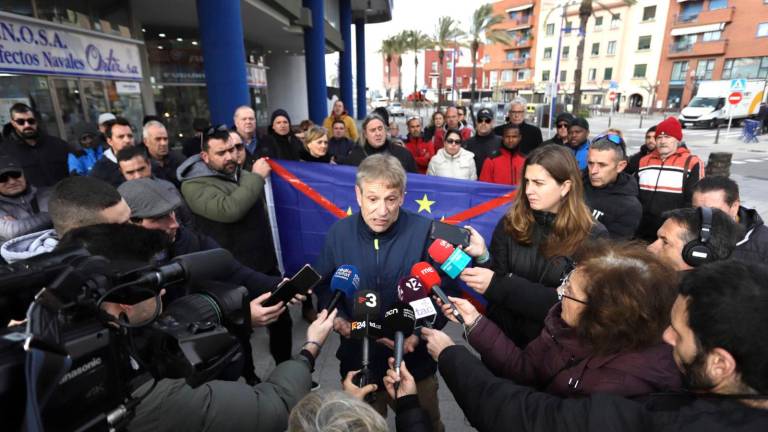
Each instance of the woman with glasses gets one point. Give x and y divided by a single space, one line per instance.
605 334
506 165
562 123
531 244
453 160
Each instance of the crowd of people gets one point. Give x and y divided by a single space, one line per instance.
623 292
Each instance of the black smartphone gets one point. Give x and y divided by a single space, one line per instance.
453 234
303 281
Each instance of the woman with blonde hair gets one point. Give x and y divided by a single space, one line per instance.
315 146
532 244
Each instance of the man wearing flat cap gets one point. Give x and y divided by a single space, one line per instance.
666 177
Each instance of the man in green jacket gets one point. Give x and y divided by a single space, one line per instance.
228 205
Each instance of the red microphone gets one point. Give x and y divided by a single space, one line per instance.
440 250
431 281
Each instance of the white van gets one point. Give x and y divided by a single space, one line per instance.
710 106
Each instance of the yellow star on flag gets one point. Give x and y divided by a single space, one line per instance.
442 218
424 204
349 211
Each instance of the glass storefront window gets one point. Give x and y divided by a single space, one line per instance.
179 106
95 99
33 91
126 102
111 16
19 7
72 115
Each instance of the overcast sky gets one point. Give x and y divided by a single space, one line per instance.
411 15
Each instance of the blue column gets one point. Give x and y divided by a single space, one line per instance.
221 37
314 49
345 58
362 108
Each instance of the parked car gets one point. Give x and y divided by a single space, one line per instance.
396 109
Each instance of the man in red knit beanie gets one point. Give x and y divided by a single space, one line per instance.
666 177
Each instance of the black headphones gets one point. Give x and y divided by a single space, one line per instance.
697 252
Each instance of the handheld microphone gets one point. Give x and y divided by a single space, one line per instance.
401 320
410 290
453 260
345 281
431 281
366 304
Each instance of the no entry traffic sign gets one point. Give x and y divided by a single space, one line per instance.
734 98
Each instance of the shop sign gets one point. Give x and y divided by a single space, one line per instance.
127 87
37 49
257 75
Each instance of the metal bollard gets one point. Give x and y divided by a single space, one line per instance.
717 134
641 120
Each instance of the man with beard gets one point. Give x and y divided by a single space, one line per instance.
228 205
43 157
23 208
715 329
648 146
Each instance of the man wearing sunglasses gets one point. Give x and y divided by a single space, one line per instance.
562 123
23 207
531 135
485 143
608 190
43 157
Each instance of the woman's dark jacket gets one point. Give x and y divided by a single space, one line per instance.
359 153
559 362
522 290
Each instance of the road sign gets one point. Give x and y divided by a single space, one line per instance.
734 98
738 85
612 96
613 85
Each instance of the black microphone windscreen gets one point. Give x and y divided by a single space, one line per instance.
400 317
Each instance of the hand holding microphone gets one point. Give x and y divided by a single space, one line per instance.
400 320
452 260
465 308
428 276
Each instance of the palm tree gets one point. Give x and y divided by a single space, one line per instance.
388 51
481 31
416 41
585 11
447 33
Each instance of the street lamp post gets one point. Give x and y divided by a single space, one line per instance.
554 86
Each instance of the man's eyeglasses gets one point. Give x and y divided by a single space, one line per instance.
453 141
564 290
517 112
484 120
30 121
9 175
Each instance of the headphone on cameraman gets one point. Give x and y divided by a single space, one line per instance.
697 252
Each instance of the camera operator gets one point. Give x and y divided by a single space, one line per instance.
216 405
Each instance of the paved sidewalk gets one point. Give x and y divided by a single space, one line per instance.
327 369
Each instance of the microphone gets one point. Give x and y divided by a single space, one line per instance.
209 264
453 260
410 290
401 320
345 281
366 304
431 281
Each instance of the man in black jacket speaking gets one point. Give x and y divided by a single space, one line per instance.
609 191
717 326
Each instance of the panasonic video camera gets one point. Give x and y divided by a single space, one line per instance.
71 366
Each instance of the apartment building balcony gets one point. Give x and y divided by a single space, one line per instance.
698 49
724 15
519 63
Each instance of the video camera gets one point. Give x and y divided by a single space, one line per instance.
73 366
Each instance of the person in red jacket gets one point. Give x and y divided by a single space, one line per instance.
506 166
421 149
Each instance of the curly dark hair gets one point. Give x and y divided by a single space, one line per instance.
630 295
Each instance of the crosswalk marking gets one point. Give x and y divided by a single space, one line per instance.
738 162
753 160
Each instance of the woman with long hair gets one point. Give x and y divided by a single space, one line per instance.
532 244
437 123
605 334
